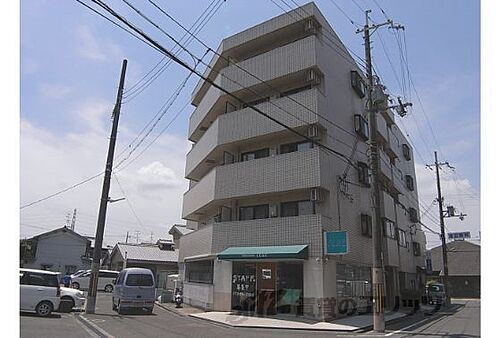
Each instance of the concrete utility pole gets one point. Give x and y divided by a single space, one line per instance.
378 280
442 215
101 220
73 220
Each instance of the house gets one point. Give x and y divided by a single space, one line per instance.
262 195
464 268
177 231
61 250
161 258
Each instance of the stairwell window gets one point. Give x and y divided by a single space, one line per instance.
254 212
413 215
361 126
366 225
402 238
389 228
416 249
406 151
253 155
358 84
363 174
409 182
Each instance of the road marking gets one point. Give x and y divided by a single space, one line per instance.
89 331
405 328
86 321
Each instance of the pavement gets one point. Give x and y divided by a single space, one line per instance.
460 321
351 323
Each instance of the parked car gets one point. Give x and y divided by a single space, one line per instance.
435 293
71 298
134 289
78 273
40 291
105 282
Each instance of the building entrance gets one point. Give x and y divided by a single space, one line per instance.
267 288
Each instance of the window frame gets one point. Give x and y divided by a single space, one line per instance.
366 225
417 250
406 151
413 215
409 182
358 84
297 208
389 234
361 127
252 207
401 237
209 272
363 173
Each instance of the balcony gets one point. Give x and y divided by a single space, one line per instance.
382 129
265 176
277 66
388 210
246 124
385 166
295 230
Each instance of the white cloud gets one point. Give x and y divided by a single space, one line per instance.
455 191
54 91
92 48
153 183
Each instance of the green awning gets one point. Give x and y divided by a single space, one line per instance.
264 252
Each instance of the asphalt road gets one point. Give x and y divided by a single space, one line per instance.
463 321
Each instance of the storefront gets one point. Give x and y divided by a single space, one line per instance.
267 280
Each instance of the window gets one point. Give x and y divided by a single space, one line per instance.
106 274
120 278
295 90
297 208
200 272
363 174
406 152
409 182
402 238
361 126
297 146
254 212
389 228
137 279
416 249
358 84
253 155
366 225
41 279
413 215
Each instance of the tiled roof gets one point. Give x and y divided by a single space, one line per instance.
464 258
181 229
147 252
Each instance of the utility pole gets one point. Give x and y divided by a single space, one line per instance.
73 220
450 212
378 280
101 220
126 240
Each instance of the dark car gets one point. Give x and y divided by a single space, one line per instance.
435 293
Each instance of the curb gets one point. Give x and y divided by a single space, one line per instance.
170 310
93 327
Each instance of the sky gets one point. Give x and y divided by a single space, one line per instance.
70 61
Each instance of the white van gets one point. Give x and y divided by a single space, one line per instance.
40 291
134 289
105 282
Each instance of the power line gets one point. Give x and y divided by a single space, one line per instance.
62 191
128 200
183 64
176 50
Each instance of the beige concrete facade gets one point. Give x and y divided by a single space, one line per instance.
308 87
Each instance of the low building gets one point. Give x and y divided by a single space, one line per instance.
464 268
61 250
161 258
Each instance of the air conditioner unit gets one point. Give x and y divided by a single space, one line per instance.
313 131
316 195
312 77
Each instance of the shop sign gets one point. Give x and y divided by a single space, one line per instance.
336 243
244 285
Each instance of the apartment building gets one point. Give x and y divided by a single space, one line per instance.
261 197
